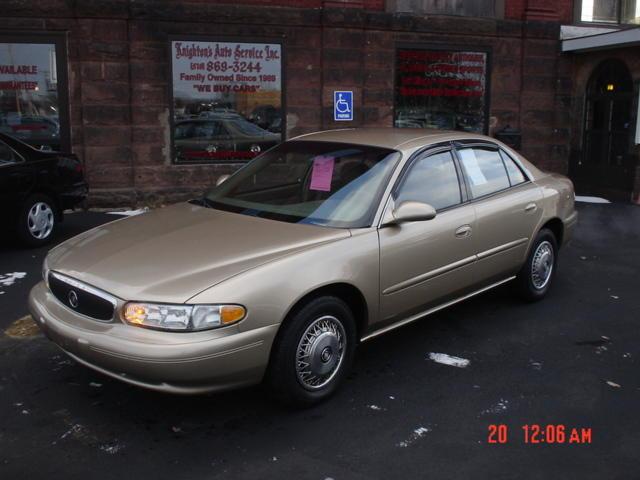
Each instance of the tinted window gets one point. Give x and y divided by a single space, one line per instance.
6 154
515 174
484 171
207 130
432 180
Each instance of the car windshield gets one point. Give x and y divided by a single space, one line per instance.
322 183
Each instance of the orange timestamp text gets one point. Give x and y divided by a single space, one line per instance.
536 434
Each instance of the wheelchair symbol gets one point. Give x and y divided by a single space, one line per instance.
342 106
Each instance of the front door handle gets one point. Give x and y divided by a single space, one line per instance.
532 207
463 231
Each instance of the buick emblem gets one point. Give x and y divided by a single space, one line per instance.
73 299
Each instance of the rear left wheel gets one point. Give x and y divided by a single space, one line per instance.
536 276
313 352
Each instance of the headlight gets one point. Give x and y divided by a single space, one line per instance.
185 318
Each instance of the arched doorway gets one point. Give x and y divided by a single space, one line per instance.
606 165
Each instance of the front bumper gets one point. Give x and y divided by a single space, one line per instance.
186 363
74 195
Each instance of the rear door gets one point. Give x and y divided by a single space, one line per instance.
423 262
507 207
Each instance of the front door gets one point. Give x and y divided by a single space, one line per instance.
423 262
605 163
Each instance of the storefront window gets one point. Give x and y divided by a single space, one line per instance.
227 100
30 103
441 89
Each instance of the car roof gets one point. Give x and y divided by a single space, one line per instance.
393 138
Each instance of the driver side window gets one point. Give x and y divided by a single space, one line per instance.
432 180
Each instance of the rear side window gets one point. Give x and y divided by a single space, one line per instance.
484 170
432 180
516 176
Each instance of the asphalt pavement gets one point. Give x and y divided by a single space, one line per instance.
571 360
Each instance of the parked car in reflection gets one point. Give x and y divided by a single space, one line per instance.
38 131
220 136
35 188
323 242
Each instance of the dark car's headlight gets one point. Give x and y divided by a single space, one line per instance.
182 318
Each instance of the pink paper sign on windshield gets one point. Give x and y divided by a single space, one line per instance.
322 173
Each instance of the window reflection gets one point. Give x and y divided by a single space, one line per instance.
227 100
29 103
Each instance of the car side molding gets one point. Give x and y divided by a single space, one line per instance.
435 309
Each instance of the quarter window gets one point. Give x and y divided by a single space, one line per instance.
432 180
516 176
484 171
7 156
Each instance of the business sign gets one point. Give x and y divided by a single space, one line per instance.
343 106
444 89
227 99
212 69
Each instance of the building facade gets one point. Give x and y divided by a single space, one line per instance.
161 97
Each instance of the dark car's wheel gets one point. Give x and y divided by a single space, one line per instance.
313 352
37 222
535 277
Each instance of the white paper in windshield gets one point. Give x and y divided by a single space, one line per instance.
470 162
322 174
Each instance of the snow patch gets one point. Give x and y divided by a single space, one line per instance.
8 279
498 408
111 448
129 213
417 434
587 199
449 360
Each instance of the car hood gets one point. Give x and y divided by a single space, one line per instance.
172 254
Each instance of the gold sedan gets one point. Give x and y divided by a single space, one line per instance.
320 243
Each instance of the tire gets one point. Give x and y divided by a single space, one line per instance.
323 329
37 221
536 276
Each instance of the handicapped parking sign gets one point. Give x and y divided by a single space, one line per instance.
342 106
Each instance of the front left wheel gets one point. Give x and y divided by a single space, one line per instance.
313 352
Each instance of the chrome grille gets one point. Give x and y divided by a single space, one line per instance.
82 298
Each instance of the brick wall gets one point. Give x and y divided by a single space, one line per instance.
561 10
119 77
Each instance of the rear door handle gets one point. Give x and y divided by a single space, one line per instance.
463 231
531 207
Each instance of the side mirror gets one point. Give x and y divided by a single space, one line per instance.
411 211
222 178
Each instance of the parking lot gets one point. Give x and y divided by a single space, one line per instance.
570 360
